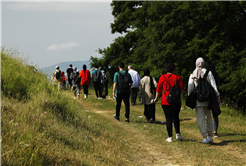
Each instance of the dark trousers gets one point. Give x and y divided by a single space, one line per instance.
172 114
97 87
149 111
85 88
134 93
125 98
216 123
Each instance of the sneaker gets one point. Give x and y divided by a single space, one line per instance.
127 120
169 139
85 97
215 135
204 141
210 140
117 118
179 137
99 98
74 97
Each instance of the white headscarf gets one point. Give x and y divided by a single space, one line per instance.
198 71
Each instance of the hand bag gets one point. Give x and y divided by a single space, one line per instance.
191 99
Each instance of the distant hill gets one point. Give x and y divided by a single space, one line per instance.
64 65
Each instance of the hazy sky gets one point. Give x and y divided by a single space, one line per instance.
57 31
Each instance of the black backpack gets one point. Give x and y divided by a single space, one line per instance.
203 89
58 75
96 76
174 94
124 86
76 78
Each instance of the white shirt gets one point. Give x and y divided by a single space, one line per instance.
135 78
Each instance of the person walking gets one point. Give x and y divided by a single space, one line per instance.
76 82
203 115
147 93
63 85
58 77
171 111
135 86
69 76
97 78
105 85
121 90
210 67
85 76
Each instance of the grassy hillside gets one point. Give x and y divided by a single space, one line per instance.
43 126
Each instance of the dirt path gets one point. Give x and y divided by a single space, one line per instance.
154 153
150 154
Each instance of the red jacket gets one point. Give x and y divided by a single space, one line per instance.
85 77
164 86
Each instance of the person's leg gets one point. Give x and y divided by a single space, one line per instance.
176 112
127 104
95 87
209 122
78 87
74 91
147 112
168 113
135 95
216 124
152 111
200 117
100 89
118 104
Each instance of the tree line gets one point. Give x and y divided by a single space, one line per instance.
157 33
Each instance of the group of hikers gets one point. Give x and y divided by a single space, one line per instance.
127 84
77 79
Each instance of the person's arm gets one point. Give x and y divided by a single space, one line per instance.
213 84
66 76
114 88
158 89
191 85
156 97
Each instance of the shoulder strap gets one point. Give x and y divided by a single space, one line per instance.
206 74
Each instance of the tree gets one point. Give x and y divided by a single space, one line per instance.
158 33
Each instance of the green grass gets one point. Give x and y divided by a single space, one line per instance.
43 126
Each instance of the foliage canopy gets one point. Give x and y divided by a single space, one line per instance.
157 33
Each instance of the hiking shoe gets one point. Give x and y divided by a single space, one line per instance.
179 137
169 139
204 141
210 140
117 118
215 135
127 120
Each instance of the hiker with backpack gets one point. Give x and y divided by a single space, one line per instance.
76 82
121 90
58 77
104 86
85 77
203 82
69 76
97 78
147 93
171 85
